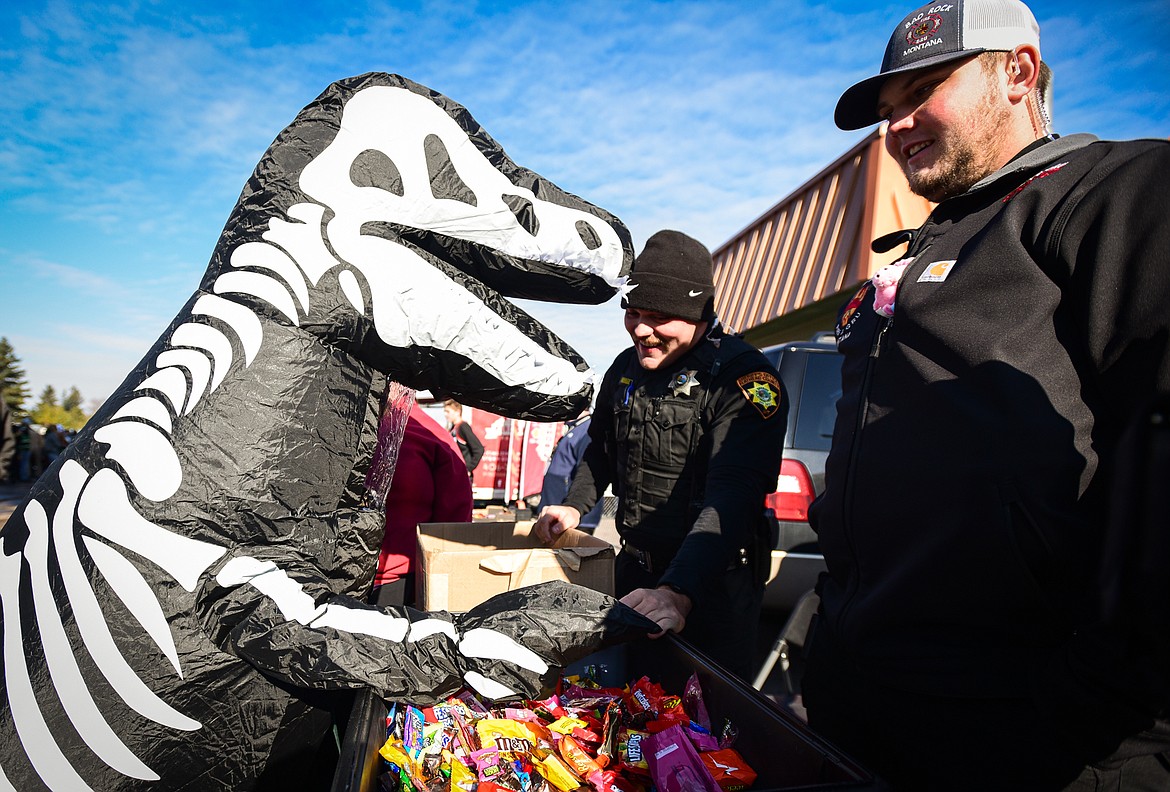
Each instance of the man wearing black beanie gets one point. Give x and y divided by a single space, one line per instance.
689 430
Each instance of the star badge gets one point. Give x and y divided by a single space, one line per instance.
683 382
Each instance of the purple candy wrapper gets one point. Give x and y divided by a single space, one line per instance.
692 699
703 740
674 763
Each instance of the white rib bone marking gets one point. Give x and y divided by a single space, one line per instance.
212 341
239 318
171 383
136 594
145 407
305 237
91 623
262 287
38 742
147 456
196 363
106 510
71 689
270 257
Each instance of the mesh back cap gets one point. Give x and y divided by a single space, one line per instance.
934 34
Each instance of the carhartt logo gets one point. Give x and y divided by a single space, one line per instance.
936 272
694 293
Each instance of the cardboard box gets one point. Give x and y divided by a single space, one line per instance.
462 564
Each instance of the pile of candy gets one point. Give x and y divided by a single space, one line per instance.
587 737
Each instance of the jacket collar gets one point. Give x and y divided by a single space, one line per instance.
1034 158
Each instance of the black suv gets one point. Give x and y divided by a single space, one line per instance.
811 372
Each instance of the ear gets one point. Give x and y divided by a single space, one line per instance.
1023 70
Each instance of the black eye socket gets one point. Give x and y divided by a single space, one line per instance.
373 168
588 235
445 180
523 210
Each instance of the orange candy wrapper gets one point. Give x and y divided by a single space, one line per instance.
729 769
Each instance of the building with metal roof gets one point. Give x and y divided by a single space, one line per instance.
784 277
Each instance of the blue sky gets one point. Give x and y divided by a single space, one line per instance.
130 129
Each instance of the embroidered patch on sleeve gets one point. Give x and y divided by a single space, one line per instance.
850 310
762 390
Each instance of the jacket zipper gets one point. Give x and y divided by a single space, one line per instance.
875 351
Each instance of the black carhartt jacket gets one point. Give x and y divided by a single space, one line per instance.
966 493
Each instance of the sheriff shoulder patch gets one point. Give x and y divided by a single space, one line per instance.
762 390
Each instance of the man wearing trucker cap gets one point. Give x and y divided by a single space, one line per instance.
988 376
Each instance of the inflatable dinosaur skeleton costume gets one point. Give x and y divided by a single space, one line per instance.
193 567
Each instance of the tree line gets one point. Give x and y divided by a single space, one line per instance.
49 408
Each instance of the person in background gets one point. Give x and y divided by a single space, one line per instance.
7 441
24 450
54 443
987 378
562 465
430 484
469 445
689 430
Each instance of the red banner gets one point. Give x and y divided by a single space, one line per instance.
515 455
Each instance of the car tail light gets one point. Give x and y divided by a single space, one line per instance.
794 492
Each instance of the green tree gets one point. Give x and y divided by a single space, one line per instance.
72 400
67 413
12 381
76 414
47 411
48 398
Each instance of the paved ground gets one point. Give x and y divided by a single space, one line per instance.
10 497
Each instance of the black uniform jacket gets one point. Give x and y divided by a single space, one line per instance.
691 451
